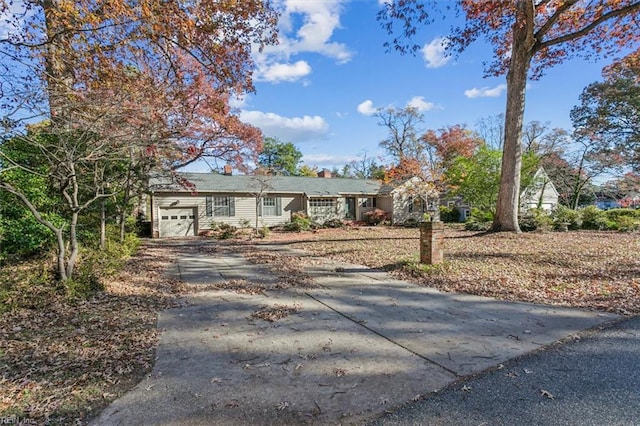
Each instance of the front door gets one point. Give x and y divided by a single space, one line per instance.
350 208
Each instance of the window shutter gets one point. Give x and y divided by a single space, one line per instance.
411 204
209 205
278 206
374 202
232 206
259 201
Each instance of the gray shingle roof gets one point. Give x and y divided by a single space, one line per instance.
311 186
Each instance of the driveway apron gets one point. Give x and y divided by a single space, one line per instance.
352 347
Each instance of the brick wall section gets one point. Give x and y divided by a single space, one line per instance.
432 243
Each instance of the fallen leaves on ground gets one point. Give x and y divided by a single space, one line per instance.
62 362
240 287
587 269
288 267
274 313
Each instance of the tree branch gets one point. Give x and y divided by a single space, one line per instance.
577 34
553 19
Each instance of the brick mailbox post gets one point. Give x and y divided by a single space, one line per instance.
432 242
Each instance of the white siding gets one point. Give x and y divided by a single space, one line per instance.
245 208
541 193
385 203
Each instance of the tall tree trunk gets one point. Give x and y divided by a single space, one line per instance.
103 225
62 271
58 63
577 188
73 240
506 218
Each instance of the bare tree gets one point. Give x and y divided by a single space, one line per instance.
491 130
365 167
403 139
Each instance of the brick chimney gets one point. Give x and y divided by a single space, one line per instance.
228 170
324 174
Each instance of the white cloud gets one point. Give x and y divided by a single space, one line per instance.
238 101
420 104
485 92
305 27
434 53
285 72
328 159
367 108
320 19
289 129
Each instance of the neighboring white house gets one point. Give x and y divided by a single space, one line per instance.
541 193
413 199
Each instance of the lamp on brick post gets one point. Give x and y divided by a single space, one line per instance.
432 242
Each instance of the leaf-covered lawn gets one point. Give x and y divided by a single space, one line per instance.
597 270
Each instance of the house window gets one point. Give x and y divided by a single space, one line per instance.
271 206
369 202
467 213
416 204
209 205
322 202
223 207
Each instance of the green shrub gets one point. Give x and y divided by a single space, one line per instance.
107 261
479 220
83 285
23 237
299 222
615 214
594 218
333 223
226 231
449 214
563 214
534 220
263 232
628 224
375 217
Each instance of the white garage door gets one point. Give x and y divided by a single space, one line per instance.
177 222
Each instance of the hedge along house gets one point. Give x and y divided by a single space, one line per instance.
239 200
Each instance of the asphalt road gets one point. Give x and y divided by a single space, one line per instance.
589 379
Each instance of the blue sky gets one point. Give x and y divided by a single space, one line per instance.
318 87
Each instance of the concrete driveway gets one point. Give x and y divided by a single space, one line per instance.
356 345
